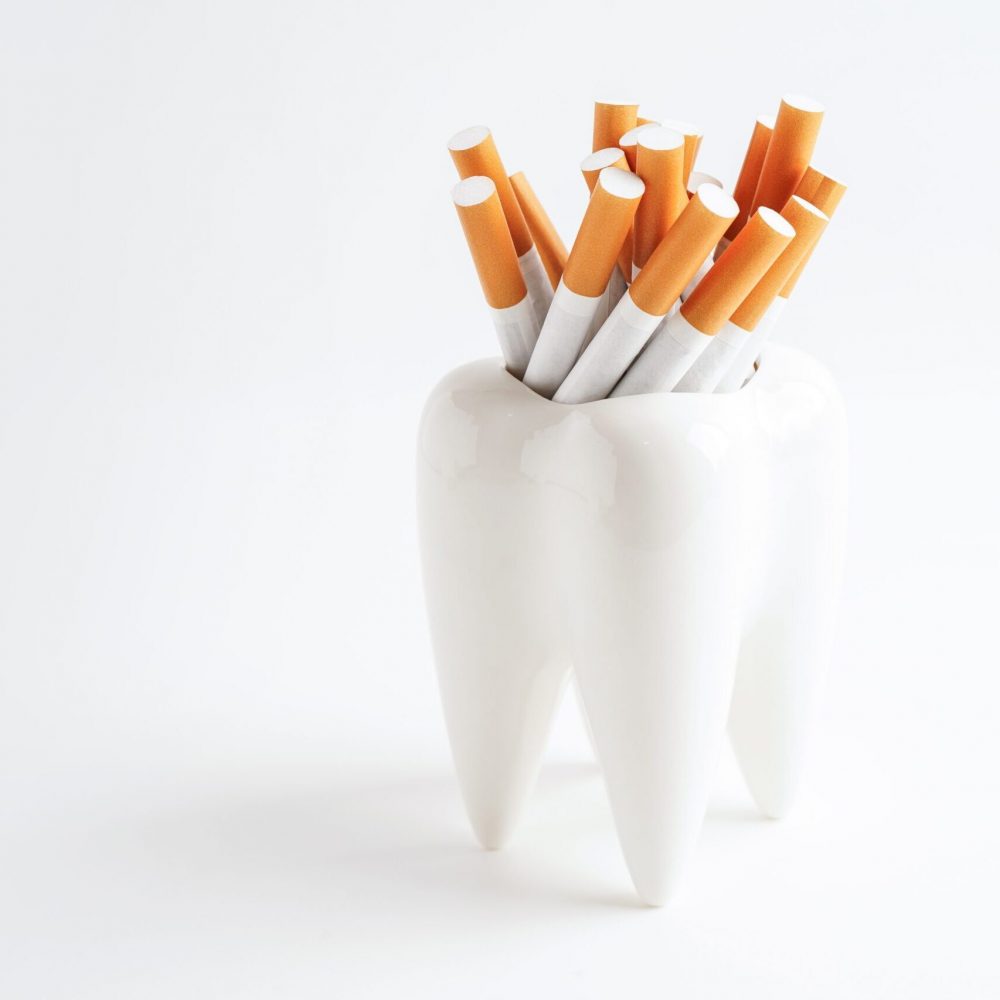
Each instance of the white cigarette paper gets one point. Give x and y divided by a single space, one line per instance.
517 328
609 354
495 258
665 359
742 364
713 362
586 277
571 320
611 297
706 266
537 282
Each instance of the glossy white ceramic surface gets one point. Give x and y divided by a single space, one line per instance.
680 552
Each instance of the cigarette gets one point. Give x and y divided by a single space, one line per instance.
828 192
753 160
808 223
809 185
742 366
585 279
646 121
475 155
826 197
611 121
660 165
592 165
617 287
591 168
722 354
789 151
481 214
695 181
676 347
696 178
550 247
627 143
692 142
649 299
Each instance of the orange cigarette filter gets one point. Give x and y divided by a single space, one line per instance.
660 165
591 168
733 276
627 143
809 185
696 178
826 198
475 155
793 140
808 222
592 165
605 225
646 121
551 248
692 142
681 252
493 253
611 122
753 160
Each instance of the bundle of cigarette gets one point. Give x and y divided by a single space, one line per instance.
672 284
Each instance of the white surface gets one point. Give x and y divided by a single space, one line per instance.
601 159
664 361
516 328
714 362
539 288
472 191
681 555
607 356
225 771
570 319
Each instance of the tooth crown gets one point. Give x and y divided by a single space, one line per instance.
679 552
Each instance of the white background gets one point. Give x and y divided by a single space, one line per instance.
229 275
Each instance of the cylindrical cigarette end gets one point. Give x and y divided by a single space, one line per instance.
697 178
592 165
808 222
796 128
681 252
611 121
660 164
692 142
753 160
736 272
627 143
486 232
550 246
826 198
474 154
603 230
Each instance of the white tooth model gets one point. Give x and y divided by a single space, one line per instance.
680 552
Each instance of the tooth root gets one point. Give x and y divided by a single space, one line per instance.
774 699
782 665
785 649
655 619
499 687
656 694
482 529
498 706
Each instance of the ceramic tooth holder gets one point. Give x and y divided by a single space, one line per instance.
679 552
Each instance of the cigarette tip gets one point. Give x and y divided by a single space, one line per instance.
468 138
472 191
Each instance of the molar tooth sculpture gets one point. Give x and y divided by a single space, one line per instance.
679 552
